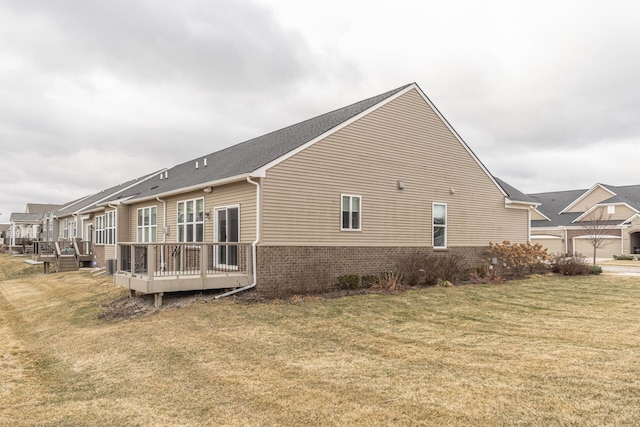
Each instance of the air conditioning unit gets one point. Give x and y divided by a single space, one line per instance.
111 267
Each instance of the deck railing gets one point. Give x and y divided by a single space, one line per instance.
183 259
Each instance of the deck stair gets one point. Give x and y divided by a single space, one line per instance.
67 263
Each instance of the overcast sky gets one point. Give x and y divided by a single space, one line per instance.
93 93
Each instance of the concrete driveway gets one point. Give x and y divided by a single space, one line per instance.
621 268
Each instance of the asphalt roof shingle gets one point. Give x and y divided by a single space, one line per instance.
251 155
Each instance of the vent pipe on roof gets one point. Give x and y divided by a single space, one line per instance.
205 162
196 164
166 174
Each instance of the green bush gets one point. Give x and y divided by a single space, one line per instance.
595 269
349 281
625 257
368 280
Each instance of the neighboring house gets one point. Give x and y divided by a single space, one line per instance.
28 225
71 227
561 221
5 230
352 191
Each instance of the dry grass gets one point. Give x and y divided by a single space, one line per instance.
547 351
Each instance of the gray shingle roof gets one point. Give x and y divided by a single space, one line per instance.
513 193
41 207
250 155
31 218
554 202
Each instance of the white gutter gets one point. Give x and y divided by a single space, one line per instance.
253 246
194 187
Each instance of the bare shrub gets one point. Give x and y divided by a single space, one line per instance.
421 268
516 260
570 266
389 282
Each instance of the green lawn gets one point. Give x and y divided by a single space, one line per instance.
544 351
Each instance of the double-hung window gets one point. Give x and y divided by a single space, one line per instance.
100 230
191 221
147 224
350 213
110 228
65 229
439 225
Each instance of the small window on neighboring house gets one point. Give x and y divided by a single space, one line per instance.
611 209
351 212
147 224
100 230
439 225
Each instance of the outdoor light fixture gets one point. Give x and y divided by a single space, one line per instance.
400 184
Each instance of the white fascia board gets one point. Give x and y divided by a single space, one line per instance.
76 202
136 182
541 214
632 217
586 193
593 236
512 204
545 237
261 172
200 186
601 205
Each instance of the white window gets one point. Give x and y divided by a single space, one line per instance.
439 225
74 229
50 224
65 229
110 228
147 224
611 209
191 221
100 230
350 213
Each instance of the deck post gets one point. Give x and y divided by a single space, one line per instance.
47 268
157 299
203 263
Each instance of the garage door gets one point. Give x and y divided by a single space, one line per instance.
609 248
553 244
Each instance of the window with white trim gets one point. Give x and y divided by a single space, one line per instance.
100 230
611 209
439 220
147 224
191 220
351 213
65 229
110 228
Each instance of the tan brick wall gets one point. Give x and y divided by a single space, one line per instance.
302 269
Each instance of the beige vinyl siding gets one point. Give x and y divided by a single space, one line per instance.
402 140
238 193
622 213
596 196
535 216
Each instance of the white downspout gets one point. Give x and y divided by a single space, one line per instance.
253 246
164 231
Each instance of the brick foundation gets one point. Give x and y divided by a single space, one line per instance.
301 269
